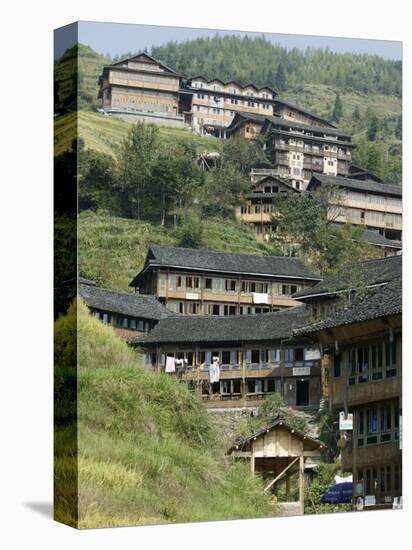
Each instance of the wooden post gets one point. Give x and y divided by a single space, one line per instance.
301 484
252 463
288 489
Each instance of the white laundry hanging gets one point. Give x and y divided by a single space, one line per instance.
170 364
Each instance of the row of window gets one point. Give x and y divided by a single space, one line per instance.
368 363
291 357
130 323
216 87
193 308
221 285
378 424
384 479
259 209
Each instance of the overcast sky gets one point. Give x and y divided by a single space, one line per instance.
117 38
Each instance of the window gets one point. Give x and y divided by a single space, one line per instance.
230 285
255 356
275 356
299 354
289 356
337 366
225 357
208 284
215 309
179 281
229 310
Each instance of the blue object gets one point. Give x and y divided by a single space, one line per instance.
341 493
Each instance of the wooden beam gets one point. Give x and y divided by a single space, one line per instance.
282 473
301 484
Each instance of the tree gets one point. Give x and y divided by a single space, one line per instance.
307 220
398 129
280 78
97 181
337 112
137 159
190 233
373 129
356 116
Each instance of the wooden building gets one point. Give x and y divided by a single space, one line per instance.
259 208
129 313
335 294
215 103
367 203
201 282
145 88
278 453
364 344
255 354
299 150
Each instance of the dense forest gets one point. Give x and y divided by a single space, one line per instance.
264 63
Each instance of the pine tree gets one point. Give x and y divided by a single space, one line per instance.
372 132
356 116
280 78
337 112
398 129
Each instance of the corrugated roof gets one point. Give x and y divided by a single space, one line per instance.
371 272
134 305
383 302
368 186
242 328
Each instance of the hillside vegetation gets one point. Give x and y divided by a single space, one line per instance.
147 449
105 134
112 249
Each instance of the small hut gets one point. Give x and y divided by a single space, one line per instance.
278 452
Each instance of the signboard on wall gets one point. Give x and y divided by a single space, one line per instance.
312 354
345 421
301 371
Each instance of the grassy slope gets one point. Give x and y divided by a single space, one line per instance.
104 133
148 451
112 250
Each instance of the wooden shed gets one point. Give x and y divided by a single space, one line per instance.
278 453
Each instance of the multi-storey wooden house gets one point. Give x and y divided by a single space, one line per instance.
255 354
145 88
367 203
298 150
259 209
215 103
364 344
202 282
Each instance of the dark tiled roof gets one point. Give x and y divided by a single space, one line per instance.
376 238
369 186
242 328
371 272
285 123
280 421
384 301
135 305
293 106
206 260
226 82
360 173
